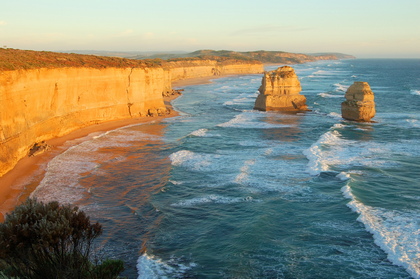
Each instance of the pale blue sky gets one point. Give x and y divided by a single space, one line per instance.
364 28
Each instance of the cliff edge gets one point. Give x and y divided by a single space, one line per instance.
45 95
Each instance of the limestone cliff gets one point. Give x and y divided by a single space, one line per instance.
359 104
280 91
38 104
204 68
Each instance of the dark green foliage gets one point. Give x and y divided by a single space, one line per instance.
50 240
108 268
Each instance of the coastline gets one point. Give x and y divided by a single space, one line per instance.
194 81
11 191
33 168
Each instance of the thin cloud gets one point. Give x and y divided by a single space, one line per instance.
126 32
264 29
2 22
148 35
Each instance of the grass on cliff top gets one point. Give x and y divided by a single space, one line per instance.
279 57
15 59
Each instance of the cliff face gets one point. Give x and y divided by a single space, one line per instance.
205 68
39 104
277 57
280 91
359 104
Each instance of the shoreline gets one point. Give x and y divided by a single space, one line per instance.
195 81
12 192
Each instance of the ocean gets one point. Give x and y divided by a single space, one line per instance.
224 191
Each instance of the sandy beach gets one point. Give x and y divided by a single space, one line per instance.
33 168
194 81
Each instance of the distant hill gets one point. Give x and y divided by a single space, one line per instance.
278 57
16 59
13 59
336 54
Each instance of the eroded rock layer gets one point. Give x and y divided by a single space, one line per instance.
280 90
359 104
40 104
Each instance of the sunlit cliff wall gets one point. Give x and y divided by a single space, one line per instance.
205 68
40 104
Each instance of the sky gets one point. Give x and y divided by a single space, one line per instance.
363 28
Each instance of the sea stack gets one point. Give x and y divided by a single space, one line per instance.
280 91
359 104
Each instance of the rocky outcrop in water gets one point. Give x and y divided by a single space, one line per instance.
280 90
359 104
40 103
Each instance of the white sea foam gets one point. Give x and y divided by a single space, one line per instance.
242 99
217 199
176 182
250 119
237 121
413 123
189 159
61 180
396 232
332 152
328 95
243 175
340 87
268 151
202 162
415 92
199 132
335 115
343 176
319 160
152 267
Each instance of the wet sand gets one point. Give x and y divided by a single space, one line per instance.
193 81
29 171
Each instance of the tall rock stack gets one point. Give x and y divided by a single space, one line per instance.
359 104
280 91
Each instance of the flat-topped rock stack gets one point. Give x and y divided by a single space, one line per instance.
359 104
280 90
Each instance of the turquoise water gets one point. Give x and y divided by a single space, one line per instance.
223 191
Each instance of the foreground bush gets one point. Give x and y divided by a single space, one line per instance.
39 240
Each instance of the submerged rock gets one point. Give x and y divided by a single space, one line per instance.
359 104
280 91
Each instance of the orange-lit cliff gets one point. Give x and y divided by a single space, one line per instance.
40 103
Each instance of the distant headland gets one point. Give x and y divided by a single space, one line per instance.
275 57
15 59
49 94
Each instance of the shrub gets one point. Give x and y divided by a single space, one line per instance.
49 240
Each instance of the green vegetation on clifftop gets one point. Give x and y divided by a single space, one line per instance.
16 59
278 57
